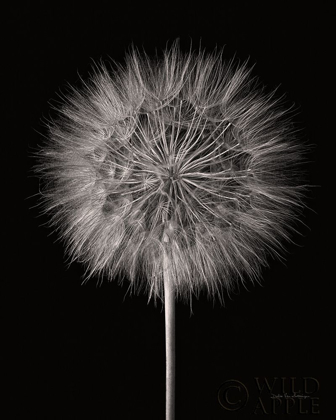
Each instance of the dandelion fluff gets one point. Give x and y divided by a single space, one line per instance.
179 165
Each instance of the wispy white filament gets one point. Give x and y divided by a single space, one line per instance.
183 156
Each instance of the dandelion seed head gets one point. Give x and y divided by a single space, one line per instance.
182 156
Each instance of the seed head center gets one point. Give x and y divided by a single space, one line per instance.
170 175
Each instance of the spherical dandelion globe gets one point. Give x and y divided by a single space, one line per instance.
178 170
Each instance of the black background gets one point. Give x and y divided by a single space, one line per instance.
96 352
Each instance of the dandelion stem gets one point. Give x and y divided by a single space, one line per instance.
170 339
